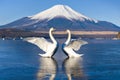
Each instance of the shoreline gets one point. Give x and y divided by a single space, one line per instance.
59 34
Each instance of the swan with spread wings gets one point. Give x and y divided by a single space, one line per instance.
43 44
70 46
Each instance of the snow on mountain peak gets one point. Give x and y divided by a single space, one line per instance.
61 11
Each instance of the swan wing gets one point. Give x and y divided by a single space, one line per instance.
42 43
76 44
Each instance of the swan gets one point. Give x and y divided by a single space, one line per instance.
42 43
70 46
48 66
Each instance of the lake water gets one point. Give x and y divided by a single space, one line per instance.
19 60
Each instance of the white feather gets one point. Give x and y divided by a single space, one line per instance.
42 43
76 44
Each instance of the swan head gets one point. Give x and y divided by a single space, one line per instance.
52 29
68 31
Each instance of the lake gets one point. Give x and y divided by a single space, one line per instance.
19 60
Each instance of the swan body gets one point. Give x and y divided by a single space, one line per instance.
42 43
70 46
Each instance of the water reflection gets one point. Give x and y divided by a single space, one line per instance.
73 68
47 70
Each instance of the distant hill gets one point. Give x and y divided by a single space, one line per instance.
61 17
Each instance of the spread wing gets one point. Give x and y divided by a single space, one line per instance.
76 44
42 43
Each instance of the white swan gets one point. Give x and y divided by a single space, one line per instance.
70 46
45 45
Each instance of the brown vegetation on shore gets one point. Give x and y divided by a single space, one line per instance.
84 34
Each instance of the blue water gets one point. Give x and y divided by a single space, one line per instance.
19 60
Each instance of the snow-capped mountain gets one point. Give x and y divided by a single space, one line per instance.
61 17
60 11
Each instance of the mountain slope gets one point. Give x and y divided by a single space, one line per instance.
60 11
61 17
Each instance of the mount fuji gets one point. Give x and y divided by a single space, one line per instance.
61 17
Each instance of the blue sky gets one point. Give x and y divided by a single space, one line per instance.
105 10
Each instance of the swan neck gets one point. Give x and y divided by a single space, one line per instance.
69 76
52 77
68 39
51 37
